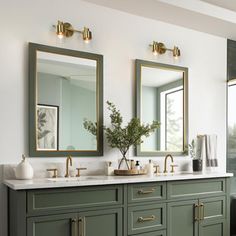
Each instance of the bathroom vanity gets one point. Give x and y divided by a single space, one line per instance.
179 205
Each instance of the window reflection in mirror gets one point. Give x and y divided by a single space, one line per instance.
162 96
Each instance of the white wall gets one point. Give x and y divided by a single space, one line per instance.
121 38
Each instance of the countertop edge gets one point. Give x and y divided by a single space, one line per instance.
106 180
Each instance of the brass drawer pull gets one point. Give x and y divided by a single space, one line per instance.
142 219
74 227
141 191
196 212
82 226
202 211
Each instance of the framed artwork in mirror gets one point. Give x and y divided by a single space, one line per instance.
47 127
162 95
65 89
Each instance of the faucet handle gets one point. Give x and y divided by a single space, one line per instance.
157 169
79 169
54 170
172 168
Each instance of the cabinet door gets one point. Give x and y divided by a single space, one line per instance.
54 225
181 218
101 222
212 216
213 229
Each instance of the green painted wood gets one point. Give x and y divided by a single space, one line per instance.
146 192
213 209
17 213
181 220
213 229
138 65
195 188
227 206
103 222
97 205
46 201
156 233
55 225
146 211
33 152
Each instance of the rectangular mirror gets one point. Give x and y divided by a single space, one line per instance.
162 95
65 89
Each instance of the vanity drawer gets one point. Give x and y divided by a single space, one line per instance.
195 188
146 192
142 219
156 233
71 198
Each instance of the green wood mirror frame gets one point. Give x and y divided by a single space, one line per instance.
95 59
176 80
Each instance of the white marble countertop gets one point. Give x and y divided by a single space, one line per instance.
105 180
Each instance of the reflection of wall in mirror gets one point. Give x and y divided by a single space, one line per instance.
149 114
74 99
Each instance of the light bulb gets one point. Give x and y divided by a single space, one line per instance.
155 53
60 36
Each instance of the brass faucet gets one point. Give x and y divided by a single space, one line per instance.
172 165
68 159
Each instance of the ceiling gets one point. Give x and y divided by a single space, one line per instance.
227 4
217 17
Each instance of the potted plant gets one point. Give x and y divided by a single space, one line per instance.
123 137
197 163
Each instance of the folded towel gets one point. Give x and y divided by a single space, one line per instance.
206 149
200 147
211 150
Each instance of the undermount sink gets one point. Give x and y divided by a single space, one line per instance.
63 179
81 178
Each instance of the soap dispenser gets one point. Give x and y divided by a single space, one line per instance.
24 170
109 168
150 169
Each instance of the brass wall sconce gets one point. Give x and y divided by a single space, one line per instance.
67 30
160 48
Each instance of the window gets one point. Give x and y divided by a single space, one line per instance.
232 127
172 119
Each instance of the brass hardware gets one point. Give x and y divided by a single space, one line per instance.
87 34
144 219
79 169
67 30
165 165
172 168
141 191
202 211
196 212
160 48
74 227
157 169
54 172
82 226
68 159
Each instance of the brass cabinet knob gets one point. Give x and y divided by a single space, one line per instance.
172 168
54 170
78 171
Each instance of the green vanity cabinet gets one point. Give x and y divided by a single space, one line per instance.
181 218
206 213
168 208
54 225
101 222
97 222
197 217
